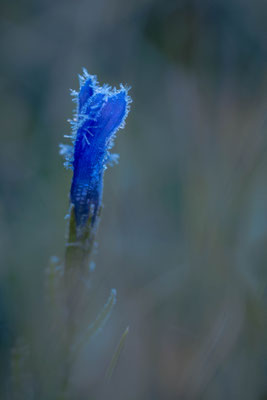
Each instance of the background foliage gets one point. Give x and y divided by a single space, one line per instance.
183 235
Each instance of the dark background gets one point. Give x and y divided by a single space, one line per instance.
183 235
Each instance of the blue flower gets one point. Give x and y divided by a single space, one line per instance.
101 111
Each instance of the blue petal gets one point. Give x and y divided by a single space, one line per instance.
110 118
100 113
86 91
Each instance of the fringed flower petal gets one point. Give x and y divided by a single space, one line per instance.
101 112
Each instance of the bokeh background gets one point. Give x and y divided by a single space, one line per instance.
183 234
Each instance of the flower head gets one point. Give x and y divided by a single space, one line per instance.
101 112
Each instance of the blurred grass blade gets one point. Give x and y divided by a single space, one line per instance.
98 324
21 379
116 355
104 315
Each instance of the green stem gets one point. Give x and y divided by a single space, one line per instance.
76 270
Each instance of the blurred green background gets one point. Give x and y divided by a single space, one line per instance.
183 235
